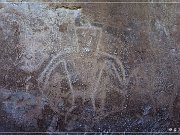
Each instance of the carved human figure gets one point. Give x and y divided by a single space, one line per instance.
86 74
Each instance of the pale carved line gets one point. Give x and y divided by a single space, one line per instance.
53 125
99 41
97 85
70 83
76 40
45 74
85 27
123 80
69 80
116 72
49 73
120 81
68 112
118 62
48 67
91 28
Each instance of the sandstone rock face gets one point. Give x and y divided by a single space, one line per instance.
89 67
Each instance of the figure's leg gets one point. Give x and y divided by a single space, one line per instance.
53 126
103 100
70 83
96 86
69 111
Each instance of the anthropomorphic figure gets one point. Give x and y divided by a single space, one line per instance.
85 73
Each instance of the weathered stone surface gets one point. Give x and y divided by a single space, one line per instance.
100 67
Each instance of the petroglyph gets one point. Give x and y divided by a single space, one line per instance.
74 65
89 67
83 70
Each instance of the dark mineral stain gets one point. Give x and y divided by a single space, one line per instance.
63 27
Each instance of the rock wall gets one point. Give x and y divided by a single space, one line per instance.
89 66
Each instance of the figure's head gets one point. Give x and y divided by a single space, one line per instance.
88 39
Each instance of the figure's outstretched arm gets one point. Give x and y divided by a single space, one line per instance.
114 63
118 62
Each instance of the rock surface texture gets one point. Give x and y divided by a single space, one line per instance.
89 67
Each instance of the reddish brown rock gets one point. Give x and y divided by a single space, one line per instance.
89 66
